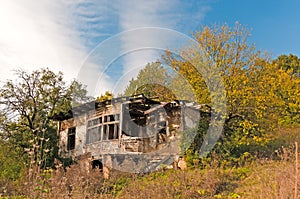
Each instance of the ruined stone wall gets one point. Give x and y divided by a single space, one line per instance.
98 149
80 136
159 134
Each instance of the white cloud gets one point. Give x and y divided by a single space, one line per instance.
37 34
136 14
165 14
60 34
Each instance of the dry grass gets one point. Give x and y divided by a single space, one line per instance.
174 184
270 180
265 178
74 183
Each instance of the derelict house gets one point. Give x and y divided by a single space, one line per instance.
135 133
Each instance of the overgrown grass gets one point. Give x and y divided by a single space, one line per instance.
269 176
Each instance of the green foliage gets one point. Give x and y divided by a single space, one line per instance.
29 105
191 139
120 185
75 94
290 63
11 163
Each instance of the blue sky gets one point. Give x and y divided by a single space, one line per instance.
67 35
275 24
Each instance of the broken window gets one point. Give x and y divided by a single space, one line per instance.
103 127
71 138
95 121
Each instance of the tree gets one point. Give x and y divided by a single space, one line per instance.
252 105
288 87
29 105
153 81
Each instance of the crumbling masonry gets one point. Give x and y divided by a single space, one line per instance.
132 134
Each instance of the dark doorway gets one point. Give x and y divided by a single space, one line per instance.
97 164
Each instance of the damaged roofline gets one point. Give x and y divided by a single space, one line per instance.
93 105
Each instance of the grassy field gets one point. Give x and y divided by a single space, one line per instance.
272 176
